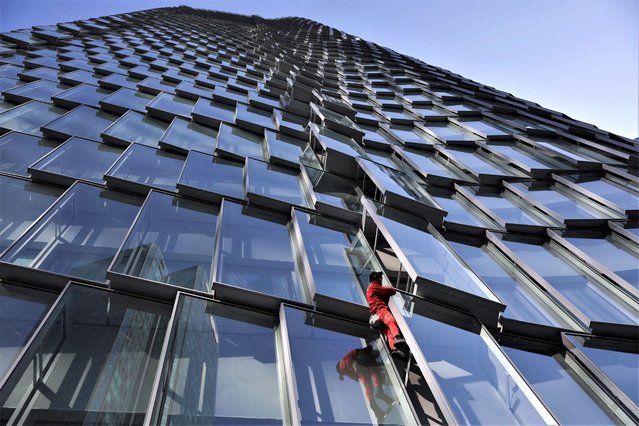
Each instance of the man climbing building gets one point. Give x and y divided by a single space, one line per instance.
377 297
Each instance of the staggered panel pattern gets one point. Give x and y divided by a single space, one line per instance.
192 202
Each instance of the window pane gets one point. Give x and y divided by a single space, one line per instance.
21 310
93 362
19 150
133 127
83 121
172 241
476 383
255 252
615 193
316 349
278 183
126 99
508 210
28 118
239 144
223 367
580 289
28 201
560 388
79 158
213 174
79 236
184 135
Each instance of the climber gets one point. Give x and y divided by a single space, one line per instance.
377 297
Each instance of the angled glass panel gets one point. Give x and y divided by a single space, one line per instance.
184 135
367 392
41 90
623 196
290 151
587 295
274 182
222 368
126 99
148 166
83 121
433 260
509 211
522 156
617 359
334 190
82 94
458 211
28 201
21 310
450 134
29 117
213 113
79 158
561 388
480 164
614 256
167 106
93 362
80 234
484 128
172 241
19 150
428 164
255 252
562 204
479 384
213 174
238 143
409 135
521 303
134 127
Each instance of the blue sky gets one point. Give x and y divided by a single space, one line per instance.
580 57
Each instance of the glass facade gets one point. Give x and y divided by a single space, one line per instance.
191 203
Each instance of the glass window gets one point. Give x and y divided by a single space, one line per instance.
562 204
590 297
213 113
146 166
561 389
480 164
80 76
171 241
624 197
82 121
239 144
184 135
520 155
116 80
78 158
29 117
253 119
21 310
367 392
449 134
212 175
433 260
484 129
94 360
254 251
338 255
428 164
19 150
28 201
333 190
409 135
40 90
612 255
460 212
79 236
134 127
264 180
222 368
617 359
479 385
508 210
166 107
521 303
290 151
82 94
125 99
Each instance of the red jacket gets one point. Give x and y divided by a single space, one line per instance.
377 296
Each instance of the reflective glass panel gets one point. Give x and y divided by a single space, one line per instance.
254 251
134 127
148 166
508 210
472 375
616 359
82 121
80 158
590 297
561 389
126 99
19 150
458 212
266 180
478 163
289 150
367 393
21 310
82 94
427 164
239 143
521 303
433 260
213 174
613 192
93 362
223 367
484 128
28 201
79 236
611 254
29 117
519 155
170 105
40 90
184 135
172 241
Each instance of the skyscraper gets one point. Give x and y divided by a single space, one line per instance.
192 202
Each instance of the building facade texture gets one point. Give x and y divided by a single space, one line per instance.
192 202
